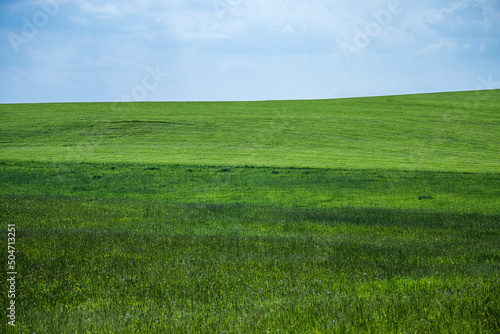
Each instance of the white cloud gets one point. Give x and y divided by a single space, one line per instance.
487 44
437 48
458 5
196 25
226 19
238 66
491 14
106 11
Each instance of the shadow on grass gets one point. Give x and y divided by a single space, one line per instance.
137 214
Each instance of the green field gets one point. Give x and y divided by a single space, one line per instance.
437 132
366 215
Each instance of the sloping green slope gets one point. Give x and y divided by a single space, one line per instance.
441 132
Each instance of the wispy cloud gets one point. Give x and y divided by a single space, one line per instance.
106 11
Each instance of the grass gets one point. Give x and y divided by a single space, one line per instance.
179 218
128 265
452 192
437 132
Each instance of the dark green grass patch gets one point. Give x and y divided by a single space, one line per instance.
125 265
450 192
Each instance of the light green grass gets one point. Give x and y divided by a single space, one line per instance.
439 132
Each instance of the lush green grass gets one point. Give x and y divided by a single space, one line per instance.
126 266
448 192
124 248
439 132
346 216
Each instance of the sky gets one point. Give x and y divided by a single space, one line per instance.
243 50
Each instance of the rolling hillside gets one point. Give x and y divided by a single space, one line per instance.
359 215
436 132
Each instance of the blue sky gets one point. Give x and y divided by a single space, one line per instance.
204 50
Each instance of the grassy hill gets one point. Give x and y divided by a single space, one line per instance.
329 216
437 132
